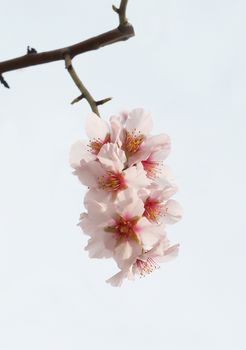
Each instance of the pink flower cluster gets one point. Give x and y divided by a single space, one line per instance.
128 202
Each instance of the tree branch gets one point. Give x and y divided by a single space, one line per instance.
123 32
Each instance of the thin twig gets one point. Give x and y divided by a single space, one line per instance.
3 81
121 12
85 93
77 99
105 100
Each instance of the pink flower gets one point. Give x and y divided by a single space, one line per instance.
98 132
133 129
146 262
159 208
109 173
128 202
118 227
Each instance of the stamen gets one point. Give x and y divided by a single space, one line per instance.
112 182
132 142
95 145
125 229
145 267
154 210
152 168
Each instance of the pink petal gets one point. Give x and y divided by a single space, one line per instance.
89 172
173 212
97 250
129 204
149 233
118 278
100 207
117 123
125 253
112 157
96 128
165 177
169 254
139 121
78 152
159 145
136 177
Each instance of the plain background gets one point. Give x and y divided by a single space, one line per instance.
187 66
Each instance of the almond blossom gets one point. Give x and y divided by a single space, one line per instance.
159 208
109 173
98 132
118 227
147 262
128 203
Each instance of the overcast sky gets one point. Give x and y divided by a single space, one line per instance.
187 66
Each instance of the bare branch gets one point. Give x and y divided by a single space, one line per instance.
123 32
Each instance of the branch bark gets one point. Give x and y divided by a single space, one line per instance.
123 32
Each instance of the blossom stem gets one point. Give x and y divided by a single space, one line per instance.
84 92
122 13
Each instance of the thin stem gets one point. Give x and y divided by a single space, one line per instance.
122 13
85 93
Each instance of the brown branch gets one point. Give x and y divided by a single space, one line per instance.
123 32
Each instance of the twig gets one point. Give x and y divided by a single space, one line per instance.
123 32
121 12
77 99
84 92
3 81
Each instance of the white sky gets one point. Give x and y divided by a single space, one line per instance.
187 66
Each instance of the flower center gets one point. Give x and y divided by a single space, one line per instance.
112 182
95 145
152 168
125 229
153 209
146 267
132 142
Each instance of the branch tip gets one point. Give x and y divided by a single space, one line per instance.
77 99
105 100
115 9
4 82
